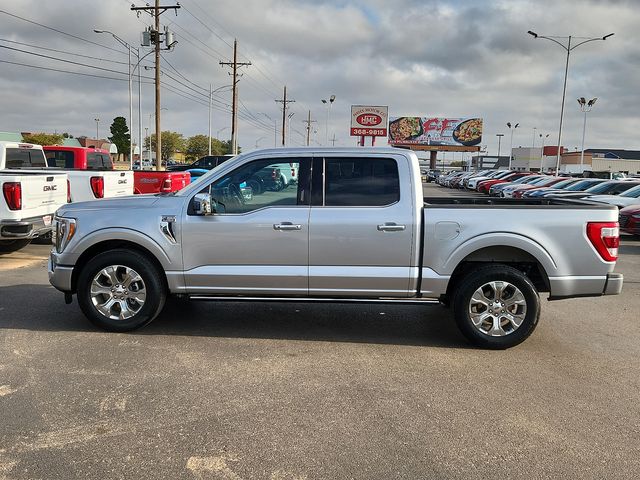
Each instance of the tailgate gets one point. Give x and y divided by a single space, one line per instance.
117 183
42 194
179 180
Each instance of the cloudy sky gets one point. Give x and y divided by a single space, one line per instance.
421 57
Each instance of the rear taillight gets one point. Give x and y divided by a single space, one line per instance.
68 191
605 238
13 195
166 185
97 185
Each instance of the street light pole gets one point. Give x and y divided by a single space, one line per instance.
499 135
542 151
568 48
275 129
97 120
328 103
511 147
585 107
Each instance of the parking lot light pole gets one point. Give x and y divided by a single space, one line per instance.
328 103
275 129
585 107
499 135
542 151
568 48
511 146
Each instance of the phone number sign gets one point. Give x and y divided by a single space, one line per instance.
369 121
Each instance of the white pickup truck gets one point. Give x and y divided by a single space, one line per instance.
84 185
27 204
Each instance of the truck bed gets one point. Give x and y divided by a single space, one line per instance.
471 202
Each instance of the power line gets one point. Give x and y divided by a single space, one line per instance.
62 51
181 75
61 32
63 60
64 71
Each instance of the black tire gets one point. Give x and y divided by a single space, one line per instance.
481 277
156 291
8 246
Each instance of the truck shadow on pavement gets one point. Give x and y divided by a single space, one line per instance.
41 308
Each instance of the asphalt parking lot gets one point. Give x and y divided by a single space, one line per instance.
296 391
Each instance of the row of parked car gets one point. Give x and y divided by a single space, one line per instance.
623 193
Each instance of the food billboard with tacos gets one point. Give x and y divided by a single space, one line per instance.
435 131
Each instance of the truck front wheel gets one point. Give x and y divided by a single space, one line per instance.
121 290
496 307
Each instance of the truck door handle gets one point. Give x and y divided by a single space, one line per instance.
286 226
391 227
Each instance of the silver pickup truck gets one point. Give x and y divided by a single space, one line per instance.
355 227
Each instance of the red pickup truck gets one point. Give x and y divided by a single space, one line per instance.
85 158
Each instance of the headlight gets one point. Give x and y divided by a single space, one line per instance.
63 231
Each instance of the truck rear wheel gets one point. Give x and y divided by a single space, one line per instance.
121 290
496 307
8 246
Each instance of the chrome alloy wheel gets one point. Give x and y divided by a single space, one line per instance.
497 308
118 292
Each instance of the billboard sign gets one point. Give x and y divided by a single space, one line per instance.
435 131
369 121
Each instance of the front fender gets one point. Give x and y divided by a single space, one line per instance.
111 234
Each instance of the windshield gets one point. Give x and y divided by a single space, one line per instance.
632 193
564 183
602 187
582 185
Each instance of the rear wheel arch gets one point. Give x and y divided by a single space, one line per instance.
510 256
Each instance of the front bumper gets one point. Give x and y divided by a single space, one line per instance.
59 275
26 228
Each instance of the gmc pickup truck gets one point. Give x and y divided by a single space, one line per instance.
86 158
355 228
83 185
28 202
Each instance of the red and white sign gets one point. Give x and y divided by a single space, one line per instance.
369 121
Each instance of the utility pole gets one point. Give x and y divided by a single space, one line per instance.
308 121
234 101
333 140
284 103
155 37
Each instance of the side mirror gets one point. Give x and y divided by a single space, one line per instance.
203 204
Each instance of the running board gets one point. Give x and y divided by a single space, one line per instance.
405 301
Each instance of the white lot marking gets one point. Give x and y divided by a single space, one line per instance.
212 467
6 390
5 467
113 403
284 475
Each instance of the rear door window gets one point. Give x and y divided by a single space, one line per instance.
360 182
60 158
25 158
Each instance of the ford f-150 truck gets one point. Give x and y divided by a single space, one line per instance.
355 228
83 184
28 202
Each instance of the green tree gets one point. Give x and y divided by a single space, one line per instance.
198 146
172 142
43 138
458 163
120 135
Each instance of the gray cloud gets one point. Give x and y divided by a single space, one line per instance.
419 57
